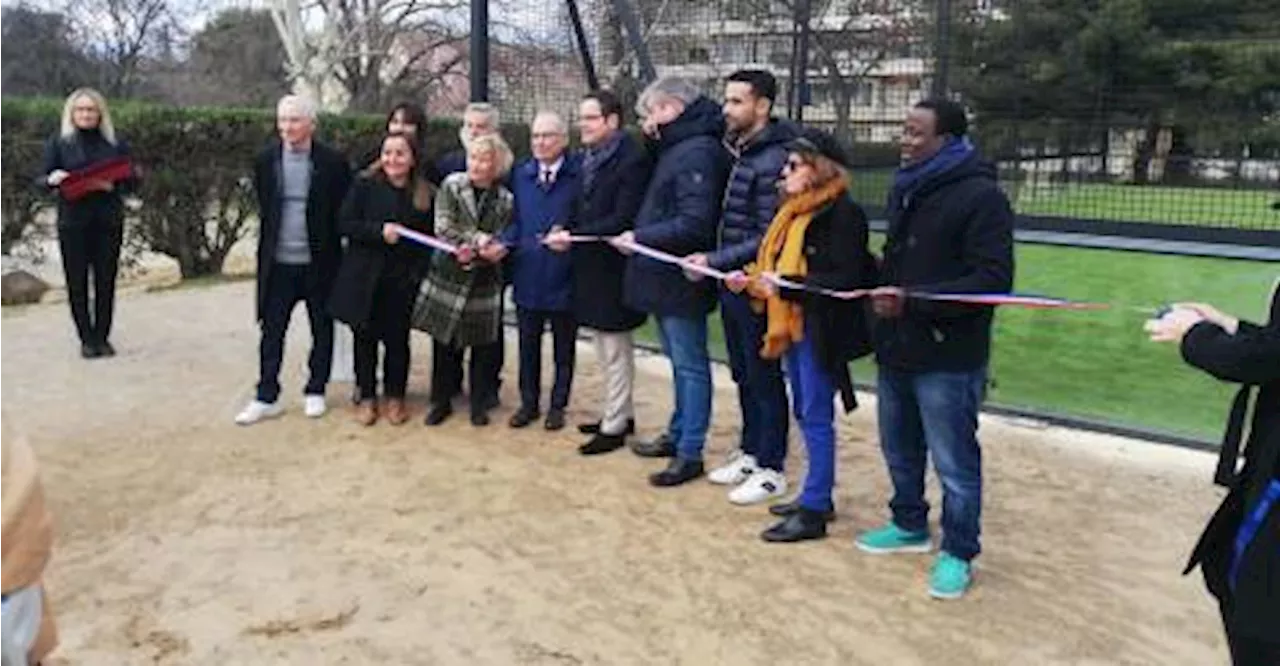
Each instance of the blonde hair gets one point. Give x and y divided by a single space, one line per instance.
68 129
495 143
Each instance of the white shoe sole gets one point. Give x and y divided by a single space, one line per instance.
265 417
913 548
947 596
315 415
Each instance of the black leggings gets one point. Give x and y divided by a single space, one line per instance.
91 246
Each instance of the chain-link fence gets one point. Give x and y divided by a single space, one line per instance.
1159 112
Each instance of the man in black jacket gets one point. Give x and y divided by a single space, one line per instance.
757 145
1239 551
299 183
950 231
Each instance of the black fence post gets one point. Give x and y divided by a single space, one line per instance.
584 50
479 50
802 60
942 49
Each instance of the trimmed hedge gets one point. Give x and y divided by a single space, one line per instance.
195 165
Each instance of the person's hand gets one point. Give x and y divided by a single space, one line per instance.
557 240
465 255
1225 321
699 260
1173 326
56 177
887 302
765 288
390 233
623 241
493 252
736 281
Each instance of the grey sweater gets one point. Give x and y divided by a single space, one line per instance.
295 171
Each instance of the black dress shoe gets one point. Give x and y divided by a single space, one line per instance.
802 525
89 351
480 418
602 444
793 507
662 447
555 420
523 417
438 413
678 472
593 428
105 349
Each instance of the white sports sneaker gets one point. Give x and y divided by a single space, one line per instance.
764 484
257 410
313 406
735 471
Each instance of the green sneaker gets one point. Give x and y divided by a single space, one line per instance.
950 578
893 539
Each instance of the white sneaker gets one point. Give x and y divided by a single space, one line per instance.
735 471
257 410
764 484
313 406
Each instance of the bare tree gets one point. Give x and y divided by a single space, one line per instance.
359 52
120 33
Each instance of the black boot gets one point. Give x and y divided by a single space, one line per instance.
89 351
602 444
678 472
802 525
792 507
105 349
662 447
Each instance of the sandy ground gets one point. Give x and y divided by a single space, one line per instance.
184 539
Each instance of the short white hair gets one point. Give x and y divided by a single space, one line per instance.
561 126
301 104
672 87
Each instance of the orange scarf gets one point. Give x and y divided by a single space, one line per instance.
782 252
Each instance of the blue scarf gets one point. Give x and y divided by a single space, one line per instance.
908 179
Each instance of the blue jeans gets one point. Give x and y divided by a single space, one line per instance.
813 397
762 395
936 413
684 341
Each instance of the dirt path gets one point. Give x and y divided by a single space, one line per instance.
186 540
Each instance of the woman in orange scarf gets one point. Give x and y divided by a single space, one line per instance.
818 240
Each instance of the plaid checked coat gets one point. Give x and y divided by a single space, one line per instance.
459 307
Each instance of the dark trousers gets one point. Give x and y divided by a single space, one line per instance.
564 333
286 285
1249 650
762 393
389 325
91 247
446 373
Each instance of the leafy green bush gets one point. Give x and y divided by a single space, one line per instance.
195 165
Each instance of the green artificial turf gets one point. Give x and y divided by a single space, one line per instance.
1099 364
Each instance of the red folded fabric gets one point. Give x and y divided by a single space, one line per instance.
81 182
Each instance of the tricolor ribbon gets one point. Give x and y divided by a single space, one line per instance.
1010 299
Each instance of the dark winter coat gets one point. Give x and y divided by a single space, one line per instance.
369 259
330 179
679 213
607 206
954 235
1250 357
835 248
751 195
